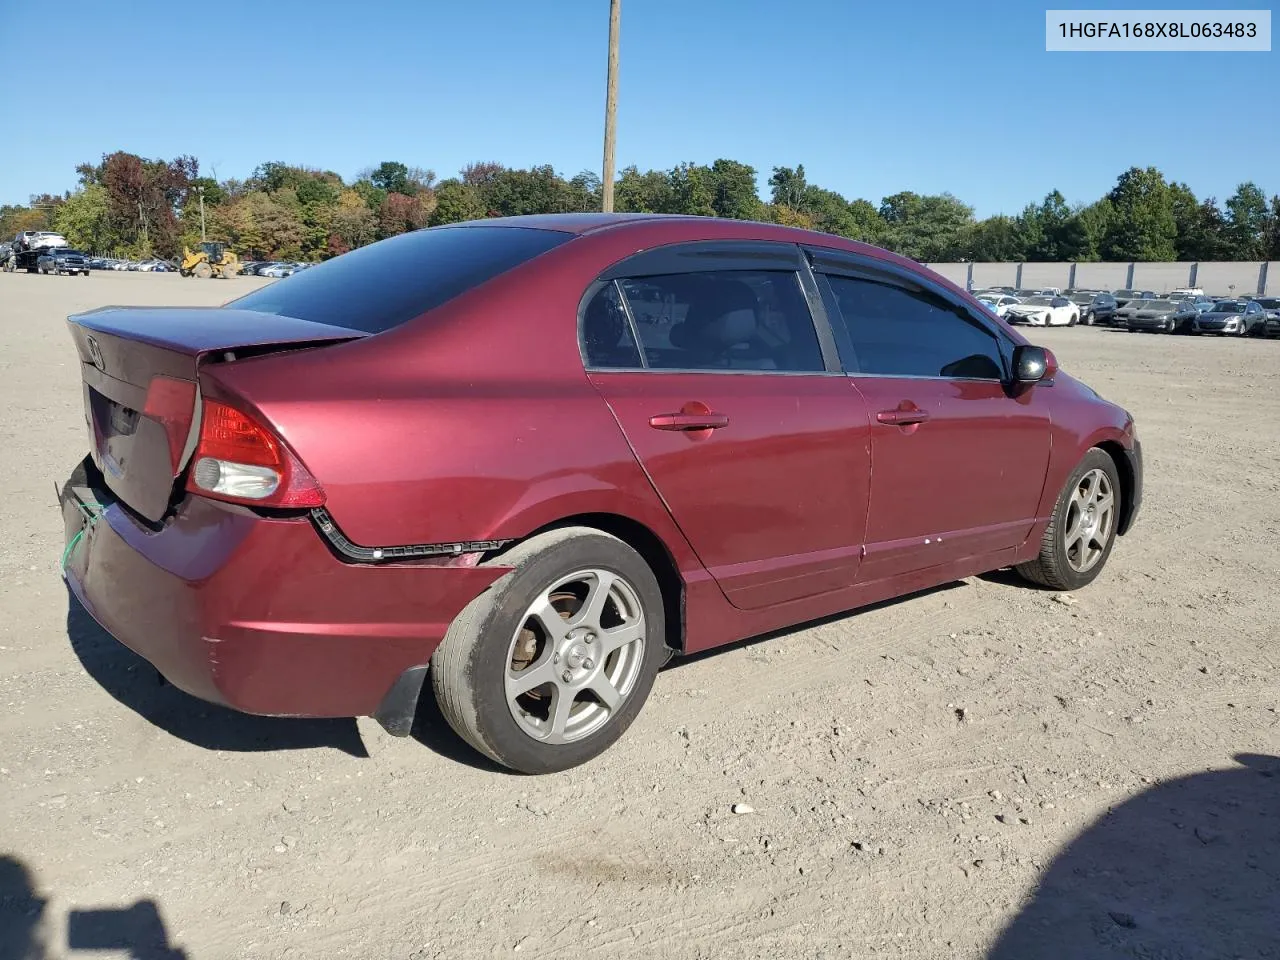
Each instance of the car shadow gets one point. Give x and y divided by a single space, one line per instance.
432 730
137 931
136 684
675 662
1189 868
1009 577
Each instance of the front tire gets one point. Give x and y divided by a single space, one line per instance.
1078 541
548 667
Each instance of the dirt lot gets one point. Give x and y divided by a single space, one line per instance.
985 770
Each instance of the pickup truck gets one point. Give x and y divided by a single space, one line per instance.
63 260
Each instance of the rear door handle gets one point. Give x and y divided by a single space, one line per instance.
688 421
901 418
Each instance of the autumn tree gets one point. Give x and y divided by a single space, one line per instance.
85 220
457 201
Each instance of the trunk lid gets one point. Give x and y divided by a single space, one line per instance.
140 369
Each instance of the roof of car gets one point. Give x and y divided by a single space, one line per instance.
578 223
720 228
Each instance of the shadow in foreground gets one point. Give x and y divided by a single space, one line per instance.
137 931
21 911
136 684
1187 869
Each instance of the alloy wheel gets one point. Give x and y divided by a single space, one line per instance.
1090 520
576 656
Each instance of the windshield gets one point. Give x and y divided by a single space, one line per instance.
1228 306
1036 301
1269 303
1125 293
1082 298
385 284
68 252
1159 305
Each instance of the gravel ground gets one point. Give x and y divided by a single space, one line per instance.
981 771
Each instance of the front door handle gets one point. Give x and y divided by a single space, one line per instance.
688 421
902 418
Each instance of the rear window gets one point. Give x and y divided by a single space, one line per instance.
389 283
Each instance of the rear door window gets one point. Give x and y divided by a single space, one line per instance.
389 283
729 320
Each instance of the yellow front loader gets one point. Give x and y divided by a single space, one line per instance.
211 260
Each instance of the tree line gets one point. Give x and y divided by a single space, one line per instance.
128 205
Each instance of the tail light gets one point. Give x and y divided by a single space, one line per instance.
239 460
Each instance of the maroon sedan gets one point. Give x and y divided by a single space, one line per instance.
532 458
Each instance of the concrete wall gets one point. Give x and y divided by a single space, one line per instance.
1102 276
1046 275
1216 279
1163 277
994 275
957 273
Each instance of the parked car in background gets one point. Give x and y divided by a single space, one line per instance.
1271 307
1241 318
1186 292
62 260
268 498
249 267
277 270
1044 312
1200 301
998 302
1084 299
1160 316
1125 295
1102 310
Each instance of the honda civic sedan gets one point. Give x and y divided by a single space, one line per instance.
521 463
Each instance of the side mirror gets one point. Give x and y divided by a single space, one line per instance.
1033 364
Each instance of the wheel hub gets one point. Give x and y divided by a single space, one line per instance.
576 657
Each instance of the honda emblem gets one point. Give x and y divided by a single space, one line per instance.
95 354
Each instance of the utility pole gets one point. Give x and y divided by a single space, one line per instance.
200 190
611 107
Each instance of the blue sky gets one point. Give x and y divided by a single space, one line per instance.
872 98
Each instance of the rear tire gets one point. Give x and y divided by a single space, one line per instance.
595 591
1077 542
228 272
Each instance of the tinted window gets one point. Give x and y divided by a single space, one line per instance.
389 283
606 332
1228 306
723 320
896 331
